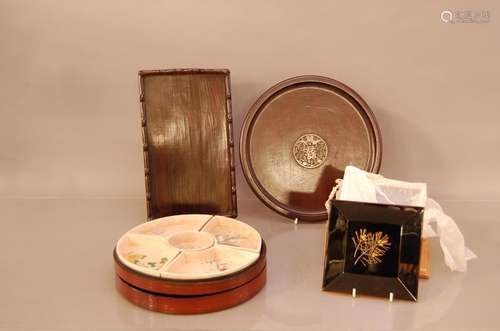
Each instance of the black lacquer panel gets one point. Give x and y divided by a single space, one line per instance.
374 248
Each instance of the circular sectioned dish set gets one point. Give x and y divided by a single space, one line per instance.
190 263
296 140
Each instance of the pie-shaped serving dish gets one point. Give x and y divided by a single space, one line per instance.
188 264
189 247
298 138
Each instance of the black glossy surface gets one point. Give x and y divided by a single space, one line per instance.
397 265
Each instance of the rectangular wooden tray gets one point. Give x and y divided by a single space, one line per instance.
188 142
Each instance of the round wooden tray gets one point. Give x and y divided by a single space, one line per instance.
165 286
298 138
192 304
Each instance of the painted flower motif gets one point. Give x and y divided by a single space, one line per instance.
230 240
219 265
141 260
134 257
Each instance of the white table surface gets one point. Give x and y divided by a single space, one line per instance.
56 273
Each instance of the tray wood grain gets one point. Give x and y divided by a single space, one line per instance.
188 142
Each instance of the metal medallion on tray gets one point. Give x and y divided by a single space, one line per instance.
310 150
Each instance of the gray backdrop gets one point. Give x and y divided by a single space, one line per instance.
69 111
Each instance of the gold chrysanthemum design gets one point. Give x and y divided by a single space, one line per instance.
370 247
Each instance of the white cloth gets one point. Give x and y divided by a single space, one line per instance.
359 185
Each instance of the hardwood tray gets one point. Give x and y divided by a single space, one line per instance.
188 142
299 136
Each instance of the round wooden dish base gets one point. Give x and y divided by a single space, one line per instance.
192 304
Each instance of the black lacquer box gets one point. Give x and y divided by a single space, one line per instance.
373 249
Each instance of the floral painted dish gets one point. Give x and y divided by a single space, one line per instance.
148 252
190 247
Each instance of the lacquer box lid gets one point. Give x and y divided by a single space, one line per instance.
297 139
374 249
